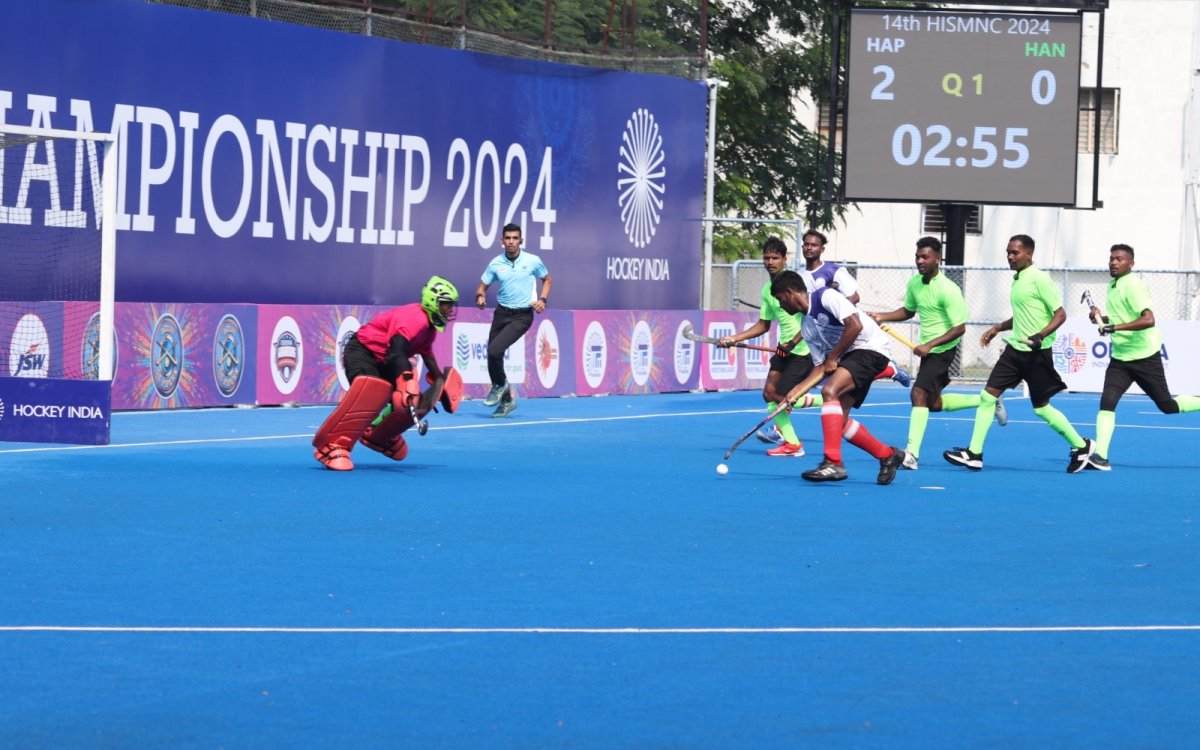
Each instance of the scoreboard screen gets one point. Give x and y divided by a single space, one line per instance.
964 107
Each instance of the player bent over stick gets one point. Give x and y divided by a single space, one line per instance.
852 350
378 365
943 313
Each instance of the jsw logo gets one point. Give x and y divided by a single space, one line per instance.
30 362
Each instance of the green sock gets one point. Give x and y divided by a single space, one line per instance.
1106 422
1059 423
916 429
784 423
1188 403
984 414
959 401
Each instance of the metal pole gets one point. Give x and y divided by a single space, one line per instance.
713 85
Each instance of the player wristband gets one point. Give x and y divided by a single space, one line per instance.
542 300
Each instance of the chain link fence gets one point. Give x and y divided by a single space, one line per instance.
446 24
1175 296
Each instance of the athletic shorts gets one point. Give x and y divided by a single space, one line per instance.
792 369
934 373
358 360
1036 369
1148 373
864 366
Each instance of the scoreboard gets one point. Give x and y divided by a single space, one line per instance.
963 107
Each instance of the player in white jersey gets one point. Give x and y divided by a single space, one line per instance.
852 350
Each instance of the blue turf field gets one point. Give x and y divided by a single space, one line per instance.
579 576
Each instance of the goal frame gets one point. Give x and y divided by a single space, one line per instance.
109 165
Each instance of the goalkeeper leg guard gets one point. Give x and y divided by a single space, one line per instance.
387 437
361 404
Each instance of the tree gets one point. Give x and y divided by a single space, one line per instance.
768 163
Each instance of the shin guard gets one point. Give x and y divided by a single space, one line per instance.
336 437
387 437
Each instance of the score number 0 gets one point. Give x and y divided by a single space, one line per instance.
907 140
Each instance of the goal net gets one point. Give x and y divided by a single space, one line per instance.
57 248
57 254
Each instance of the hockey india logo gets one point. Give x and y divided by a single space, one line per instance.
642 181
229 345
1070 353
166 355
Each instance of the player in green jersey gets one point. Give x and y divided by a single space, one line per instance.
1136 352
1037 314
943 313
791 363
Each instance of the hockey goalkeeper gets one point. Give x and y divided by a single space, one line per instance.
378 364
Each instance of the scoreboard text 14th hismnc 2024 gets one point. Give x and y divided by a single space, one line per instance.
964 107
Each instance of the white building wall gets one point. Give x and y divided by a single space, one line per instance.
1149 56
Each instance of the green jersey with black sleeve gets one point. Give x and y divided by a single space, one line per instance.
940 305
1128 295
789 325
1034 298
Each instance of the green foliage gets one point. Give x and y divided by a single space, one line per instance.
769 52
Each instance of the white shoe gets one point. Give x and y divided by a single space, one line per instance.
1001 411
910 461
769 434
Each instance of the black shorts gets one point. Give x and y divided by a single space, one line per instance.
934 374
792 369
864 366
358 360
1148 373
1036 369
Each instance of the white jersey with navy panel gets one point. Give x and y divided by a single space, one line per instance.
823 326
826 274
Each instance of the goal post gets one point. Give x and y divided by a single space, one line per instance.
58 198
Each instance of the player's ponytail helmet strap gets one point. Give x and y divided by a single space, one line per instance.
437 292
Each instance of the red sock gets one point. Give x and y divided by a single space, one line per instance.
832 421
887 373
860 437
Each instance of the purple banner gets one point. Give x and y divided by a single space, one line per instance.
634 352
181 356
734 368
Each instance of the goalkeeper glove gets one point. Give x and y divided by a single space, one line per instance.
407 393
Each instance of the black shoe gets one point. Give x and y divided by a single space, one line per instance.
1098 464
828 471
888 466
964 457
1079 456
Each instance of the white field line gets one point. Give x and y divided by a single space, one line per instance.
606 631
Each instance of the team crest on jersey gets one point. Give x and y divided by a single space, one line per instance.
166 355
229 346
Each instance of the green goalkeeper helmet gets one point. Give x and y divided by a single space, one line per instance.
437 292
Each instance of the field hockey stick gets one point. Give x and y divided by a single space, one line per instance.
816 376
898 336
690 334
1087 300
